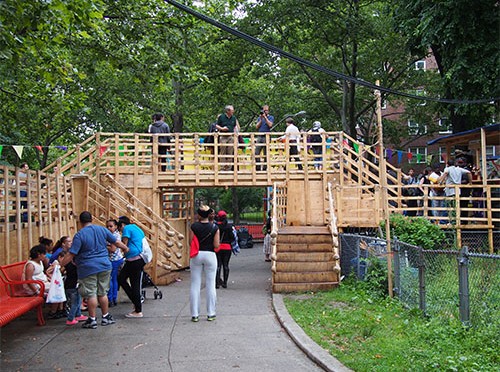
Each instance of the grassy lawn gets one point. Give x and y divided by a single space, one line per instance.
369 332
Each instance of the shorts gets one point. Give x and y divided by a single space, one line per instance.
94 285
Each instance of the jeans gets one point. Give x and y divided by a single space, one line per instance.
113 282
207 261
75 300
132 271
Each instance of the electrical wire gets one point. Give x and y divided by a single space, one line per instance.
317 67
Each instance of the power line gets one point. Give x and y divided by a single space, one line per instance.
317 67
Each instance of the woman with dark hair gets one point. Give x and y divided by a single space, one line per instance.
63 244
207 234
224 251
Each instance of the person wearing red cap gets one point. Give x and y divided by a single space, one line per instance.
224 252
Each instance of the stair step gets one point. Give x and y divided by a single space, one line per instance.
303 287
304 247
304 230
305 277
292 267
304 256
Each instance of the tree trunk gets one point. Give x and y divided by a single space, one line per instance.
236 207
177 117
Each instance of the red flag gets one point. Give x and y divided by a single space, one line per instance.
39 148
102 150
409 156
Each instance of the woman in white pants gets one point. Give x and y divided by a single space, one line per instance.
207 234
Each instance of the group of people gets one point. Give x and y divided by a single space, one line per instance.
94 264
442 186
227 122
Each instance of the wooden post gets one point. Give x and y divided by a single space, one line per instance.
383 184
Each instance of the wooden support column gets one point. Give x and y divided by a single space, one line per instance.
80 187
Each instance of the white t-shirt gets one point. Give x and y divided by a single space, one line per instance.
453 177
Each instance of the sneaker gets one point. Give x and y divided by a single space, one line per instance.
211 318
195 319
90 323
133 314
107 320
81 318
71 322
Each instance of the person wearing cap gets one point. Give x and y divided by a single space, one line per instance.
315 137
130 275
207 234
224 251
292 135
90 253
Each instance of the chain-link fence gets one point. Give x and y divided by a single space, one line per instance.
447 283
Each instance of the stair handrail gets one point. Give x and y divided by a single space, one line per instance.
277 218
332 226
158 232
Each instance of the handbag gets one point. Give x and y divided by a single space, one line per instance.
147 253
194 247
56 290
235 247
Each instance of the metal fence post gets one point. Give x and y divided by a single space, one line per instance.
421 280
397 268
463 285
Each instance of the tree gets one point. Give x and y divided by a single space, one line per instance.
463 37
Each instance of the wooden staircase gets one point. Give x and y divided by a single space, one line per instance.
304 260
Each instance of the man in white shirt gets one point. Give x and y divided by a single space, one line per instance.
452 176
292 134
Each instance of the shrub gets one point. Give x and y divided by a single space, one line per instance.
418 231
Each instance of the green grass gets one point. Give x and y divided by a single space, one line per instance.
369 332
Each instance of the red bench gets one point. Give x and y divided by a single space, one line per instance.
14 301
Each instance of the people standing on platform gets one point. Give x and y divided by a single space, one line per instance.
90 254
227 123
437 195
160 127
265 122
205 260
411 192
130 275
316 135
292 135
224 251
116 259
452 176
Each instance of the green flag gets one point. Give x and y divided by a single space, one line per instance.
356 147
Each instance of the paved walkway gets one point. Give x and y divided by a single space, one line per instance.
247 335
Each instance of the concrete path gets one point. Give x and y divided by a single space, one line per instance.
247 335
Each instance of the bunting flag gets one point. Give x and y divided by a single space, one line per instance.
345 142
19 150
102 150
389 153
39 148
400 157
409 155
356 147
64 148
1 149
419 157
377 150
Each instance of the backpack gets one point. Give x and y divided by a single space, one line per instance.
210 138
315 138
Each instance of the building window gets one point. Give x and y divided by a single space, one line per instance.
490 151
444 126
420 93
420 65
415 128
419 155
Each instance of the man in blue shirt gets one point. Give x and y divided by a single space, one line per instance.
132 236
90 253
265 122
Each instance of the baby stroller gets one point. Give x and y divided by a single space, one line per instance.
146 281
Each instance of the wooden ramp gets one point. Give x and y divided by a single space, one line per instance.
304 260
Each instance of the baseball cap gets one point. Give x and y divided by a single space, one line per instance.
221 214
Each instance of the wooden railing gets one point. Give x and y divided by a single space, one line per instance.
278 217
332 227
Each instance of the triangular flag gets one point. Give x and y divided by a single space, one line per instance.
419 156
409 156
345 142
356 147
39 148
377 150
18 150
102 150
400 157
1 149
389 153
65 148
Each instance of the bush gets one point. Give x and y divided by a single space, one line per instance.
418 231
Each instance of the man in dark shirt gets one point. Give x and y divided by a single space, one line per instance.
265 122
